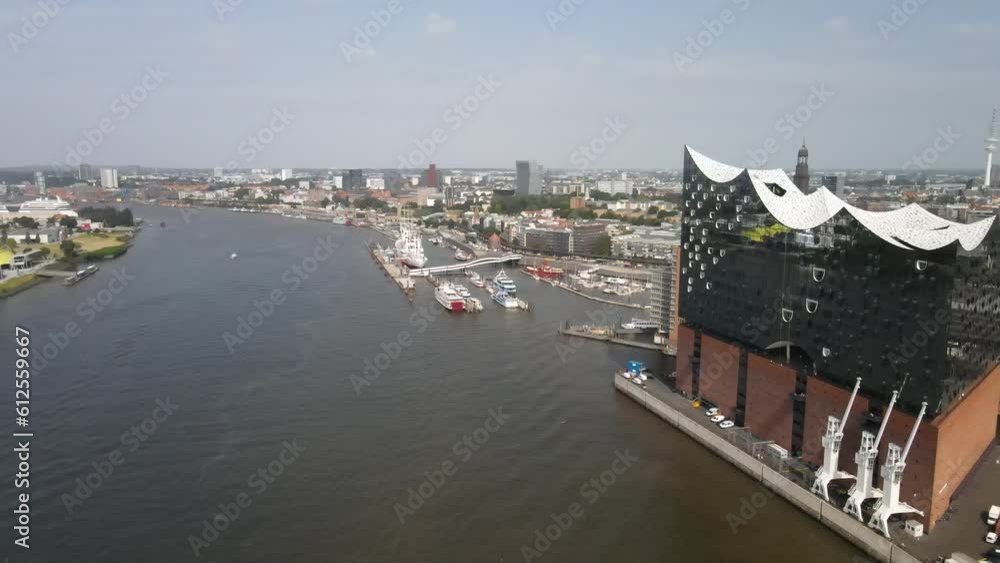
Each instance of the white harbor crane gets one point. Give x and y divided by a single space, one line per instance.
866 457
831 450
892 477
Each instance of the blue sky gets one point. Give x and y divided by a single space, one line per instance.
890 92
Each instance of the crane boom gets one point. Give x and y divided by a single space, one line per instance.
885 419
913 433
847 411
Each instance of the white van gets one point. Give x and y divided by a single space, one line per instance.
993 515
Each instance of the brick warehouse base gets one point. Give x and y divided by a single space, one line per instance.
945 451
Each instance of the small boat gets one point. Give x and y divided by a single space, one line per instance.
477 280
163 224
461 256
233 256
473 305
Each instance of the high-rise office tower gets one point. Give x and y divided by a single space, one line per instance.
40 182
109 178
354 181
432 176
529 178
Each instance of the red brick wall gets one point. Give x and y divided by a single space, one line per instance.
769 400
685 347
822 401
964 433
719 375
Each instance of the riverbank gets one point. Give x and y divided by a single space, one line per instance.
16 285
661 401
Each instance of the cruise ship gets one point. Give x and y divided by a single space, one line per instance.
449 298
503 283
46 207
410 247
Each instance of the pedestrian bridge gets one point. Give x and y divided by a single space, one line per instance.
461 267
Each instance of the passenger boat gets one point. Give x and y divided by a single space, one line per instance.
78 276
504 299
503 283
462 257
449 298
642 325
462 291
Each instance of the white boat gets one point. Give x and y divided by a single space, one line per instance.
463 291
504 299
503 283
449 298
477 280
45 204
410 247
641 324
473 305
461 256
340 220
233 256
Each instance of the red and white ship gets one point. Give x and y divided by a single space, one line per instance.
450 298
545 272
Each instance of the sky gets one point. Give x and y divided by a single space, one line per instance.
600 84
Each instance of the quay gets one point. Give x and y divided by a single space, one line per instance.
599 299
656 397
604 334
398 274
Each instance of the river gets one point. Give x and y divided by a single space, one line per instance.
499 421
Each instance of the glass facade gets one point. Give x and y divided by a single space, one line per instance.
841 300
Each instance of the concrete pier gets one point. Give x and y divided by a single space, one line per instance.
662 402
398 274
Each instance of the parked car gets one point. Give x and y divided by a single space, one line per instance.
991 537
993 515
712 411
726 424
718 418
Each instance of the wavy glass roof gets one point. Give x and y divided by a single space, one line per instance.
911 227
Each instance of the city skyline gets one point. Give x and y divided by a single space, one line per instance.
214 75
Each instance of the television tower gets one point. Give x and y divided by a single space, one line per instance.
991 145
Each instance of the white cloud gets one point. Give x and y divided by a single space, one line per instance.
838 24
440 25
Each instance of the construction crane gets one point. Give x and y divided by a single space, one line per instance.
866 457
892 477
831 450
